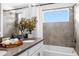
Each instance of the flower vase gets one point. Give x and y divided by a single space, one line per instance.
30 36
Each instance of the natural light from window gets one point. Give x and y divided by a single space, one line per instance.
57 15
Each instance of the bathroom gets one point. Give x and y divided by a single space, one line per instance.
60 36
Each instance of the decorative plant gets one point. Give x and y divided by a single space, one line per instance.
30 24
21 25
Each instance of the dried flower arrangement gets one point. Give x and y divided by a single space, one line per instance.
28 24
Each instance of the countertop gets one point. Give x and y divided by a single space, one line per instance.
17 50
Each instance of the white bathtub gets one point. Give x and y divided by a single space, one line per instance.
50 50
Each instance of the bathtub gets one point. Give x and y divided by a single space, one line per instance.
50 50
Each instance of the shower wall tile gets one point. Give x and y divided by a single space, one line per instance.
58 34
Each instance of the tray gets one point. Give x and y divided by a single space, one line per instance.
9 46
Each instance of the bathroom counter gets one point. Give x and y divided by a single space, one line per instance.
22 48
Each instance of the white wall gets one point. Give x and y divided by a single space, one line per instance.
23 12
39 28
38 32
77 20
77 27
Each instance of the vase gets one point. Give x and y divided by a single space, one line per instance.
20 33
30 36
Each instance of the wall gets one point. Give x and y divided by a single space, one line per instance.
23 12
39 28
62 33
77 27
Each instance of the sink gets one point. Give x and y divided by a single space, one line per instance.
29 41
2 52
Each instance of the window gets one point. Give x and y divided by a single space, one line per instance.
58 15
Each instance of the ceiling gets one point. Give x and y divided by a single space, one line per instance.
8 6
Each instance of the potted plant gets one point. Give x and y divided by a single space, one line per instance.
21 26
30 25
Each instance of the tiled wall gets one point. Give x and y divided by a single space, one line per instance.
60 34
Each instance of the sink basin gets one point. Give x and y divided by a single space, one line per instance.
2 52
29 41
